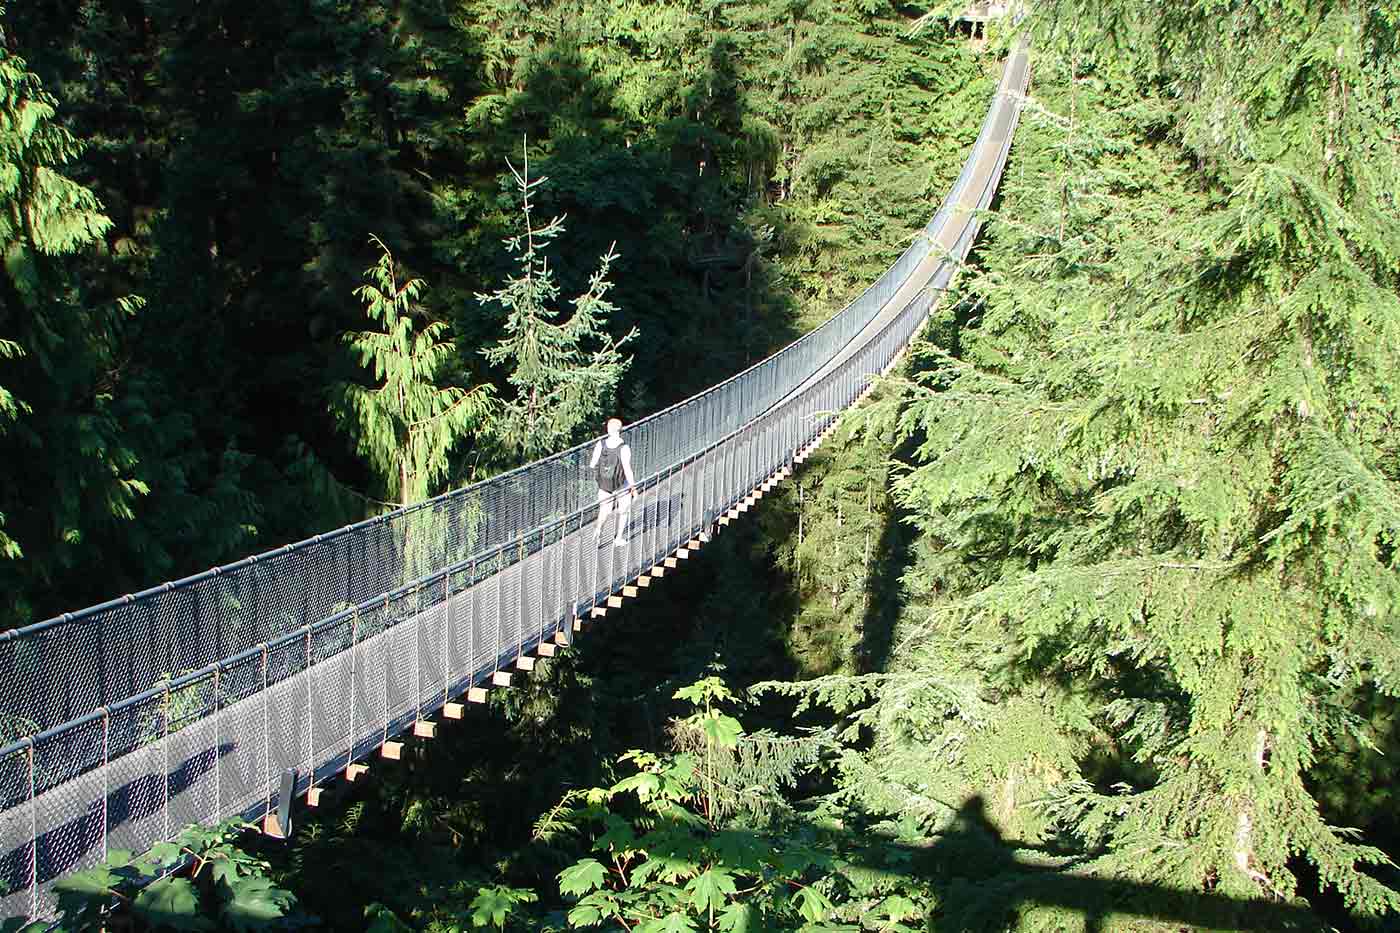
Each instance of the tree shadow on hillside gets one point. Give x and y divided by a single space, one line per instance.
892 558
986 882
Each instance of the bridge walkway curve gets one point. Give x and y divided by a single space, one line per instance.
290 674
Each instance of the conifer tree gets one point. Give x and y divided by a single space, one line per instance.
43 215
1156 483
564 373
405 424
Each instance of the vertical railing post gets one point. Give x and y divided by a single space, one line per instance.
522 576
106 777
471 623
448 631
310 711
218 741
267 739
499 577
417 651
386 638
545 581
33 837
354 690
165 760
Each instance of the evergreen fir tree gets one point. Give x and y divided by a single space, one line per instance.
564 373
1156 483
405 424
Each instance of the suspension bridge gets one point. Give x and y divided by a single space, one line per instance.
235 691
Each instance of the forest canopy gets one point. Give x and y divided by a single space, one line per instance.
1088 620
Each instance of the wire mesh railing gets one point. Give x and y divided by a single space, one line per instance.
189 702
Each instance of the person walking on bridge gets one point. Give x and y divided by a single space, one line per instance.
612 465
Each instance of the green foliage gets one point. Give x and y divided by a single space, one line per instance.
670 858
1152 481
225 888
405 423
493 905
564 373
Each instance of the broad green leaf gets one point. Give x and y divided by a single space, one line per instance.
171 902
255 902
671 923
585 915
702 691
644 784
899 907
119 858
382 920
226 871
492 905
736 918
583 877
812 905
710 889
740 851
618 837
724 731
93 882
163 855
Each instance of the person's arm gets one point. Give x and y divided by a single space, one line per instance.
597 452
627 466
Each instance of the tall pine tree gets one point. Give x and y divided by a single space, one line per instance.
563 373
405 424
1157 484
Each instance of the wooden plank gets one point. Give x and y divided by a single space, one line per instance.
525 662
562 639
744 506
354 771
683 553
476 695
313 796
500 679
725 519
670 563
391 750
453 710
597 612
644 581
629 591
271 827
546 649
614 602
425 729
658 571
693 544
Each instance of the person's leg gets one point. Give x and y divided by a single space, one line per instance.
624 503
605 504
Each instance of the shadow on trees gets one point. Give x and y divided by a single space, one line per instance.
892 558
986 881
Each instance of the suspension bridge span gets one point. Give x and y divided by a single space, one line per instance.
231 692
